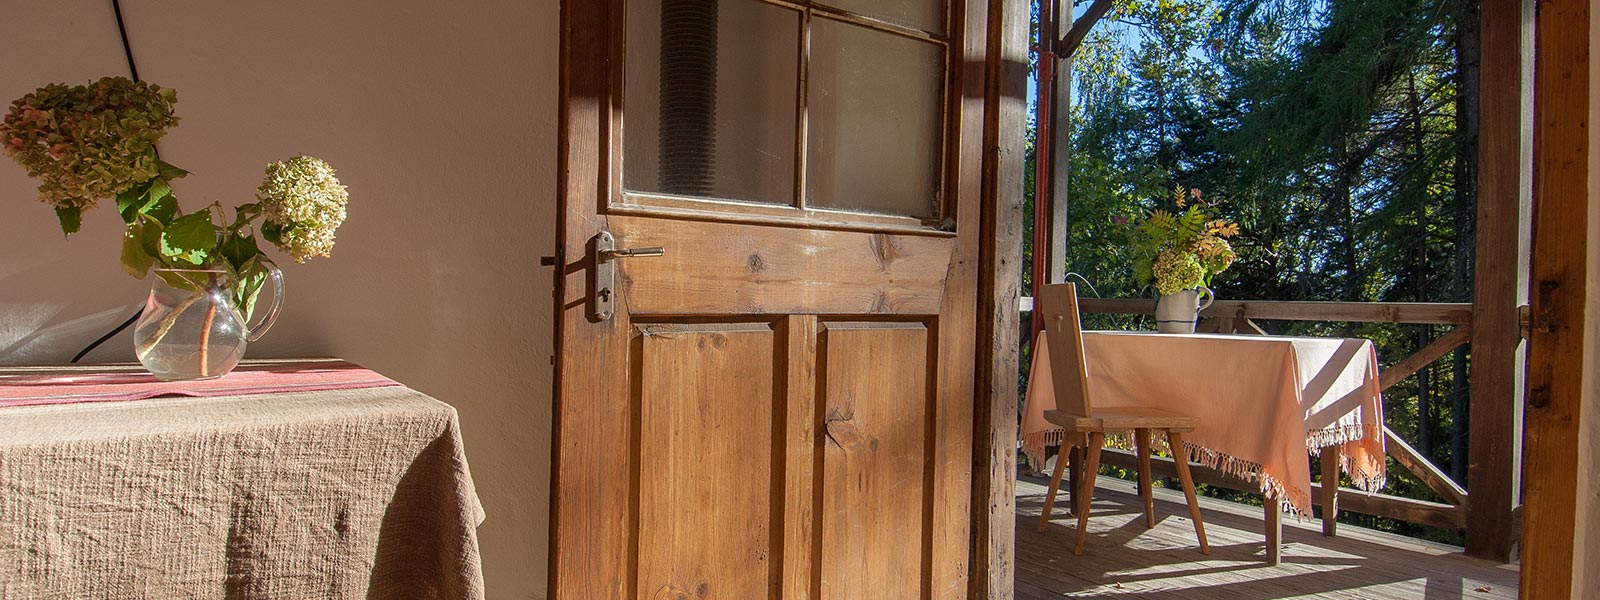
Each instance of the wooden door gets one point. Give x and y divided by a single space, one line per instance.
780 403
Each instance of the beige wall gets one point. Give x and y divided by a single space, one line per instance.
1586 554
441 119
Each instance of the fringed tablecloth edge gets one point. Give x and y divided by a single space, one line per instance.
1365 477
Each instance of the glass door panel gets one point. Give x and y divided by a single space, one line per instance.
710 99
875 106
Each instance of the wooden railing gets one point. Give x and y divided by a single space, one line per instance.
1224 316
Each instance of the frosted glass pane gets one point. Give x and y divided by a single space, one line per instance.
727 127
927 15
874 102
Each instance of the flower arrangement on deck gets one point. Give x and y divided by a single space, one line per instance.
1183 249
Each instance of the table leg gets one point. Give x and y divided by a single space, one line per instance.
1274 514
1331 456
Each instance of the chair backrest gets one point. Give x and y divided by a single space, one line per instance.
1058 303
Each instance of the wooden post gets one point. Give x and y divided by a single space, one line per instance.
1330 490
1274 519
1500 280
1560 444
1060 148
995 447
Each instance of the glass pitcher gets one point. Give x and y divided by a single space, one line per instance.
191 327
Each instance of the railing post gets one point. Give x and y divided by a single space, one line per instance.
1499 280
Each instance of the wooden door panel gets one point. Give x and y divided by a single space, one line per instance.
706 400
782 404
875 501
714 267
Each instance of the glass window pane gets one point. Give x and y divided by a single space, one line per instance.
727 126
927 15
874 105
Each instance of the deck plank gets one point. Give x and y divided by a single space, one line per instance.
1123 559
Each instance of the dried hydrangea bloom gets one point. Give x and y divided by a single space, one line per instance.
1176 270
302 203
85 143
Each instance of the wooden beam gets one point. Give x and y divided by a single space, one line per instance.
1080 28
1438 313
1564 274
1499 277
1424 357
995 431
1424 469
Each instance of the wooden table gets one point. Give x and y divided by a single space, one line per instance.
1263 401
349 493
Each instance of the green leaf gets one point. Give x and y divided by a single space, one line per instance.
190 238
167 171
272 232
135 260
162 210
252 277
150 235
71 218
238 249
131 201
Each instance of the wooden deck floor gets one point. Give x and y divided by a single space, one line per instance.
1122 559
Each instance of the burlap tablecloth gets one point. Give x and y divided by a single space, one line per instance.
333 494
1262 401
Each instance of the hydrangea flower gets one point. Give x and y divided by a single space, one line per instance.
1176 270
302 203
85 143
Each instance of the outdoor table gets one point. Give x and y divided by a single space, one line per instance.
1262 401
282 480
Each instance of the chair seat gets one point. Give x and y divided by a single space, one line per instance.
1122 418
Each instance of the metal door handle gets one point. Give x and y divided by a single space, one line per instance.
603 295
631 252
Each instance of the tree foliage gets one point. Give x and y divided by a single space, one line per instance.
1330 130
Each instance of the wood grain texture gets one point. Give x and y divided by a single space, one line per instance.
1352 312
590 482
800 445
1125 560
705 452
1409 365
1424 469
1329 495
1499 277
753 275
1562 226
994 459
721 268
874 467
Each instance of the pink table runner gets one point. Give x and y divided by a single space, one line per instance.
1263 401
78 383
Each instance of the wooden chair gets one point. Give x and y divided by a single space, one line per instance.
1086 426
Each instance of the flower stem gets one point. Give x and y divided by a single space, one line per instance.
167 322
205 339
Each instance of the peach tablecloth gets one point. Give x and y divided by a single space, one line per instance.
1263 401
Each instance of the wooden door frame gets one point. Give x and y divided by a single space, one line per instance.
1560 382
998 86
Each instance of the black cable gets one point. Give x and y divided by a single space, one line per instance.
127 52
108 335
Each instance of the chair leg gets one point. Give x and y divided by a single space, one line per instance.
1055 486
1091 465
1141 443
1181 460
